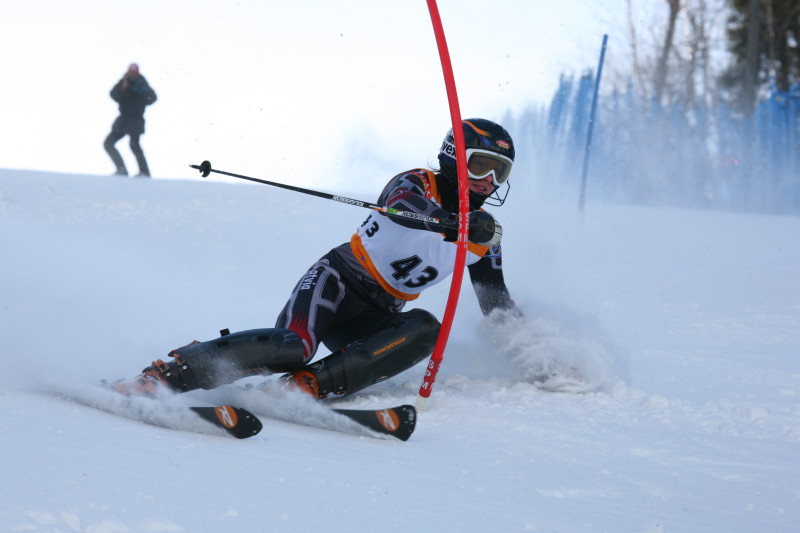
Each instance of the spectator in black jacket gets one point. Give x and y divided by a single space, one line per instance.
133 94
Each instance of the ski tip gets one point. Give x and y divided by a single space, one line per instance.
238 422
407 418
398 422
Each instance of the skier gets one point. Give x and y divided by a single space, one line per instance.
133 94
352 299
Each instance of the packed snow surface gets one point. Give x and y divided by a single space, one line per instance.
683 327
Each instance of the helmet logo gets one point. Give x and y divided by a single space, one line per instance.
448 149
503 144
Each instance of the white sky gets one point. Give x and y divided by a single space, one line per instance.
258 87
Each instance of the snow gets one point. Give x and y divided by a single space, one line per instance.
685 325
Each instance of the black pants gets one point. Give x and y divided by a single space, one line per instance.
136 148
321 309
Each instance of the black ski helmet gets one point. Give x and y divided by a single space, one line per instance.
481 136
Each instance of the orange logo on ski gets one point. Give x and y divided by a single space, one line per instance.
227 416
388 419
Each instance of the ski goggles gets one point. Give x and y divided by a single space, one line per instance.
483 163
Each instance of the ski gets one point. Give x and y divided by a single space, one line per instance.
236 421
398 422
273 400
238 413
222 419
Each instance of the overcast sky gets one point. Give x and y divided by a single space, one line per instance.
293 91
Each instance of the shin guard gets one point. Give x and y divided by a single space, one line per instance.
407 340
233 356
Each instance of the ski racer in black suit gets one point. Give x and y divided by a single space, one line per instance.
352 299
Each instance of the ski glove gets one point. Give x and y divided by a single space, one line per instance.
483 229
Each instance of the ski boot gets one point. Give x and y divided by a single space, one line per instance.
147 384
206 365
175 376
154 380
302 381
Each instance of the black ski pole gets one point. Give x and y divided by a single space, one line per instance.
435 224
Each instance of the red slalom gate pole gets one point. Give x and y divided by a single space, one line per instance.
463 201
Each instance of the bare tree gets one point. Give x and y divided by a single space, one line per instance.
661 69
692 52
751 66
672 61
637 69
763 41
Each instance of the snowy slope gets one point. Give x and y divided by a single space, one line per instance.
687 325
